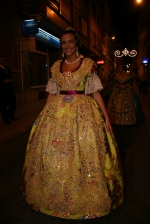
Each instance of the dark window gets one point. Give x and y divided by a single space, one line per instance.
85 3
94 40
98 44
93 10
79 22
38 69
102 8
99 20
40 46
147 23
65 9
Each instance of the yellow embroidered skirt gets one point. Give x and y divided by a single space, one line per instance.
72 168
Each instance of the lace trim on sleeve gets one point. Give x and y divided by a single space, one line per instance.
52 87
93 84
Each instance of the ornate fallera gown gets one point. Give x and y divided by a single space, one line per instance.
72 168
124 106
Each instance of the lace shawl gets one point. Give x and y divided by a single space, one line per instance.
93 84
52 87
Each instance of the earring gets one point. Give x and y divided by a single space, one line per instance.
77 52
63 54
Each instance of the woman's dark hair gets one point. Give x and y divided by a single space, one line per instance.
72 31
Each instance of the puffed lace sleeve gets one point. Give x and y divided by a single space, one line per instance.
93 82
52 87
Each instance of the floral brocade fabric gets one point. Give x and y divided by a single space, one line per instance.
72 167
124 106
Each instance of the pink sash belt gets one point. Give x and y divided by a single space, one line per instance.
71 92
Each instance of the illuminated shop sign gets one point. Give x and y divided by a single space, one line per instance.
145 60
47 38
100 62
30 26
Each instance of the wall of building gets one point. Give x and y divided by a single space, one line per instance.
9 41
20 48
144 44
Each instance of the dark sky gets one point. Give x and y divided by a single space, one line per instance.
125 15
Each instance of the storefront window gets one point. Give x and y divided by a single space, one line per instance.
38 69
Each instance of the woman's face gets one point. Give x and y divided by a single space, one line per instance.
68 44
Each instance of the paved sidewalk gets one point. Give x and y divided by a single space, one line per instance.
26 116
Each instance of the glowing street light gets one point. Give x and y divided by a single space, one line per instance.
139 1
113 38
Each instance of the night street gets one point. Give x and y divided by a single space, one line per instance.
76 75
135 209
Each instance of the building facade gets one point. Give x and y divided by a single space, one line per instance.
30 39
143 60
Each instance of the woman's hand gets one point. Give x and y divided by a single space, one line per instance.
108 126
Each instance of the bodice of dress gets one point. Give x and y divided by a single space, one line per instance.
124 107
129 80
129 83
84 78
72 80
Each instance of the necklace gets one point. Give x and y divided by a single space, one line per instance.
73 62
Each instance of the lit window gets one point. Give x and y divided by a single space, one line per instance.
54 5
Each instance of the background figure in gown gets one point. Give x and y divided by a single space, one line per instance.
72 168
124 107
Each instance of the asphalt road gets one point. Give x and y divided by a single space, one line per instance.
135 209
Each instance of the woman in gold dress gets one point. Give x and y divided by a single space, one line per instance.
124 106
72 167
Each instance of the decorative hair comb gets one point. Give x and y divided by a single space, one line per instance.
70 28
